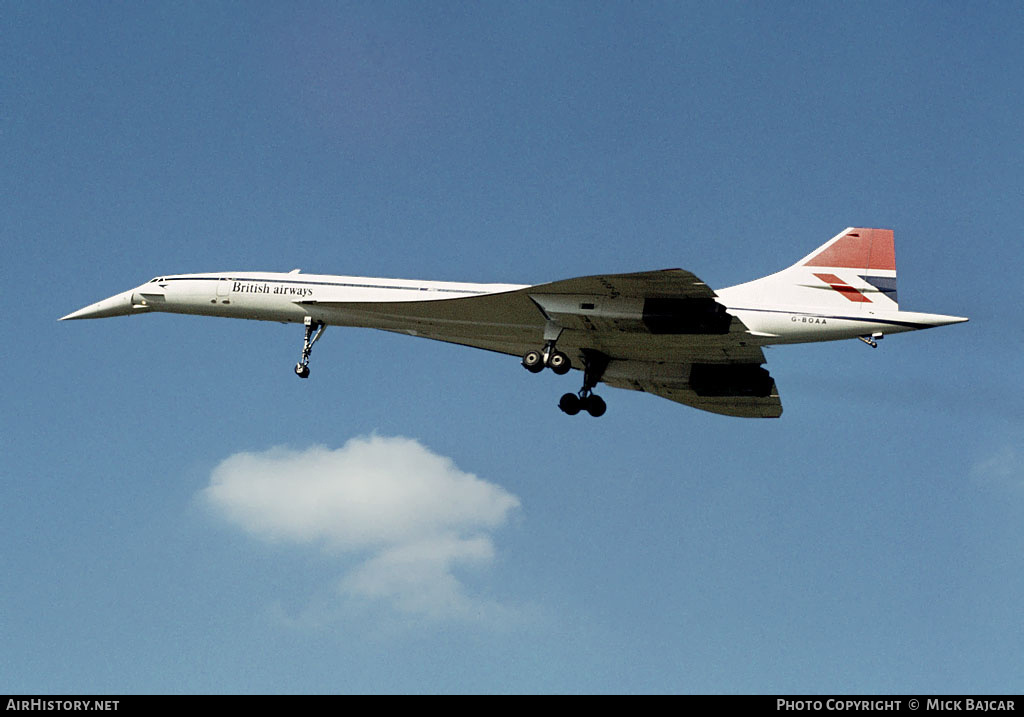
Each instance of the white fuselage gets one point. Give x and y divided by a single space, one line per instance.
793 323
292 297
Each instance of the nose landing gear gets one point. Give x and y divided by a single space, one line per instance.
314 330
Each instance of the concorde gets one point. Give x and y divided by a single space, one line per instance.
662 332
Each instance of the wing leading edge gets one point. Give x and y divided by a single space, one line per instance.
661 331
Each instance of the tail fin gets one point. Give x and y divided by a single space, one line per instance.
855 267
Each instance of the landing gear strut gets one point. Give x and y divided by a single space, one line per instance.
314 330
594 365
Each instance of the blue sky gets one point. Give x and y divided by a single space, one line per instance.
870 540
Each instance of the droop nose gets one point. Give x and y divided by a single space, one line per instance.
119 305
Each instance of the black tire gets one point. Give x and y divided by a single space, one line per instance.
533 361
596 406
559 363
570 404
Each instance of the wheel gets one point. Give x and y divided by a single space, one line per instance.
559 363
533 361
301 371
570 404
595 405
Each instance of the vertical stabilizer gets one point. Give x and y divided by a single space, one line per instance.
865 254
855 269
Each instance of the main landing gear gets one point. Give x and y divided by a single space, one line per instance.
573 403
594 365
537 361
549 356
314 330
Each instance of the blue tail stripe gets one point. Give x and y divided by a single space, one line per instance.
885 284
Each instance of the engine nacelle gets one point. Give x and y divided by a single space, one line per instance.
686 316
709 379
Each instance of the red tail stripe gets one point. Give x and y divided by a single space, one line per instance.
867 249
843 288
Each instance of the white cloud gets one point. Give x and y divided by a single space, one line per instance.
417 577
411 514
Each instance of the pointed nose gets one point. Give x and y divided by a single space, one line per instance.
119 305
